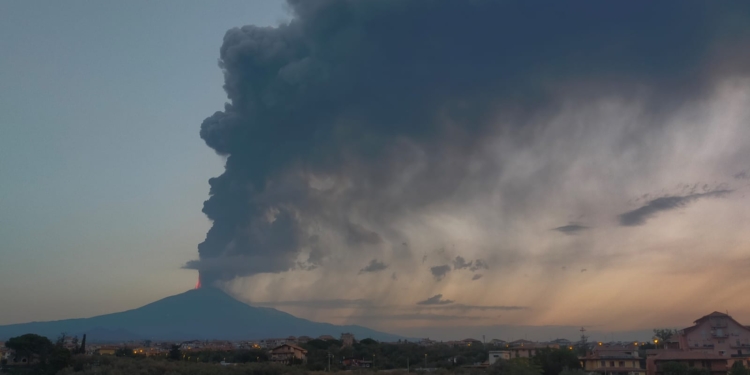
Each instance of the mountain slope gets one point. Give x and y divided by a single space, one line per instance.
203 314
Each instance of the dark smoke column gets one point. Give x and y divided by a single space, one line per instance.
355 90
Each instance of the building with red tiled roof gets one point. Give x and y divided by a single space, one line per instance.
716 332
288 354
613 360
714 343
714 363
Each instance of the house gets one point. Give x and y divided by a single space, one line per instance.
496 355
303 339
562 342
272 343
525 350
347 339
521 342
288 354
470 342
716 364
5 353
614 360
716 332
106 350
497 342
426 342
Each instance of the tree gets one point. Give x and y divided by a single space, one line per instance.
739 369
513 367
573 372
664 334
674 368
82 349
30 346
174 353
698 371
59 359
554 361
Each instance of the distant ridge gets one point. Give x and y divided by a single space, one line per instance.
202 314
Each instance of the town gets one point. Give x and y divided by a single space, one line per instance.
715 345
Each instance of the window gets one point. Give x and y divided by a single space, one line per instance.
721 341
611 363
622 363
604 364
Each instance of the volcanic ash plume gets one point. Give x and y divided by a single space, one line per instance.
358 113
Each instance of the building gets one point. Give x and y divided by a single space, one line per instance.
347 339
303 339
288 354
497 342
470 342
562 342
497 355
714 342
613 360
106 350
716 332
525 350
427 342
716 364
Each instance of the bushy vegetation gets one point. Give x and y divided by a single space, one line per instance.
388 356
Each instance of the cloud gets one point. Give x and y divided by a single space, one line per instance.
571 229
479 264
435 300
413 316
334 118
320 303
650 209
742 176
476 277
462 307
359 235
374 266
440 271
460 263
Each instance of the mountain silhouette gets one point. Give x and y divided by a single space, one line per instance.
201 314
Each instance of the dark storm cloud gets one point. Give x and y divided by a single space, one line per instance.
479 264
460 263
650 209
462 307
412 316
440 271
374 266
359 235
571 229
354 92
435 300
320 303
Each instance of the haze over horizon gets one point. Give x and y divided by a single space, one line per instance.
438 169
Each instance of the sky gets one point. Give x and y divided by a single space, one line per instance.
427 169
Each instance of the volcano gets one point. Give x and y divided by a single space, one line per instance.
203 314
